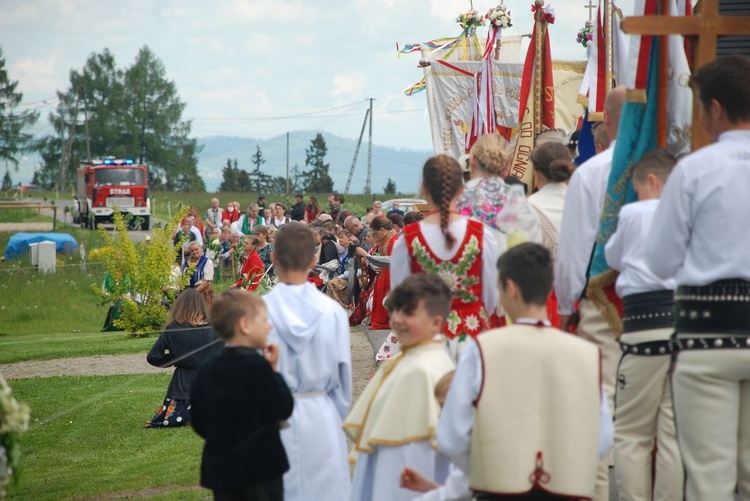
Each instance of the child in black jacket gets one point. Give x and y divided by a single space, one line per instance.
238 400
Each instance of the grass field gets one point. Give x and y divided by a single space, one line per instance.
87 440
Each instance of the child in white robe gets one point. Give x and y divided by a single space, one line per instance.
312 331
393 423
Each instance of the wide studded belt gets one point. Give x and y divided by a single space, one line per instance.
648 310
722 307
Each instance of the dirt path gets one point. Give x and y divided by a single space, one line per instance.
363 365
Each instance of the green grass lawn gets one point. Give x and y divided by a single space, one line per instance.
86 440
56 315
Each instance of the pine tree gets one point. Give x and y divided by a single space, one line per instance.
259 179
7 181
13 138
390 187
229 176
319 179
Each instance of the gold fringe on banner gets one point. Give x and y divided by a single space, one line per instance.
595 292
635 95
583 100
597 116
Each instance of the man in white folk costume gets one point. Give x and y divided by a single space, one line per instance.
580 223
700 236
526 416
644 416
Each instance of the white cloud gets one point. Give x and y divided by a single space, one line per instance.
348 84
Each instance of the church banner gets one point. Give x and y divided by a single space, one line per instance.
449 100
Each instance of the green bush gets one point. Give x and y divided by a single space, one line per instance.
140 274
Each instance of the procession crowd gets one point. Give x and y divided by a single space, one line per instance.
510 371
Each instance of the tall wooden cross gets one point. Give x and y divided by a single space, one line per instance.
704 27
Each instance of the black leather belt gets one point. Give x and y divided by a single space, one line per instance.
650 348
711 343
647 310
720 307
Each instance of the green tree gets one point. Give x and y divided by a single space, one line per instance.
7 181
319 179
152 122
132 113
14 138
257 176
229 176
234 178
390 187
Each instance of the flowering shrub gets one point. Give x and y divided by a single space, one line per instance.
140 273
499 16
14 420
470 19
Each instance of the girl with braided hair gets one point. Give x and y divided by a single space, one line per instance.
454 247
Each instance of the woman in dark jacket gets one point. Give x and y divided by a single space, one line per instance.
187 339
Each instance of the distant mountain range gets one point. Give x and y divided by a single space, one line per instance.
402 166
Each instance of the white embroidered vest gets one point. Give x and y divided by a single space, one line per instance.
536 423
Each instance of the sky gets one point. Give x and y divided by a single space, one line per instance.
260 69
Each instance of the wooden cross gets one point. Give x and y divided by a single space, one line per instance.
590 7
705 28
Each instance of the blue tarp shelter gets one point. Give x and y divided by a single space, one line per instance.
18 245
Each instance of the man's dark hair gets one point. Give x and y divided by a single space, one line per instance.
658 162
230 307
294 247
529 265
727 79
421 287
338 197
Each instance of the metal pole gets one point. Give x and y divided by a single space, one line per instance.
368 184
287 164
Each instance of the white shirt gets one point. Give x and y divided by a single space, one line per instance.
626 250
457 417
579 226
700 229
400 265
550 200
198 237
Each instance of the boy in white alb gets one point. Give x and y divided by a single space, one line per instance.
526 416
312 332
700 237
644 418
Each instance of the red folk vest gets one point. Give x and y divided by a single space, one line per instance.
462 273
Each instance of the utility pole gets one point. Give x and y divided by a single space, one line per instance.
368 183
287 164
68 147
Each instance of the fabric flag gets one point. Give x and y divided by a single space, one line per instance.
528 114
594 86
636 136
483 119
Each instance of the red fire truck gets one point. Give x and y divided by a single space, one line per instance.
108 184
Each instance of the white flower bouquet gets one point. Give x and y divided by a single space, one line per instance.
499 16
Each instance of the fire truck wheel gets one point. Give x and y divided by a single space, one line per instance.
146 223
